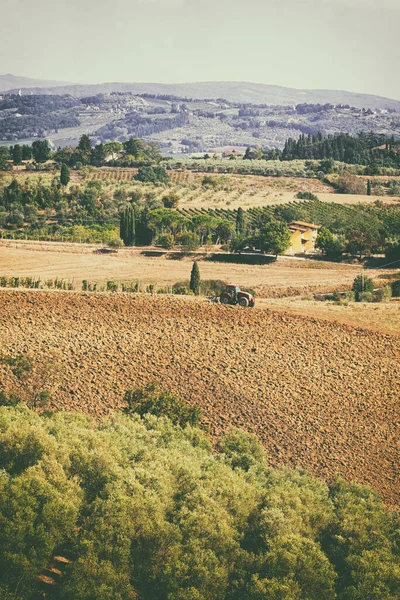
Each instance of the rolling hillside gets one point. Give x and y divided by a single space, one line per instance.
240 92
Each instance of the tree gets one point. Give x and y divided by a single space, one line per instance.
240 221
85 144
17 155
238 243
368 187
151 400
26 152
41 150
190 241
143 233
134 147
328 243
362 284
152 175
195 279
170 200
275 238
166 241
64 175
127 226
98 155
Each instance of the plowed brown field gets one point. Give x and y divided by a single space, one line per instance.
320 395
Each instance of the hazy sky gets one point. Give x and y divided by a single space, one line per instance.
337 44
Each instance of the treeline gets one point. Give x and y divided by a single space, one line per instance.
133 152
370 149
139 505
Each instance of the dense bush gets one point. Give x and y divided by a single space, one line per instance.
151 400
363 283
146 510
396 288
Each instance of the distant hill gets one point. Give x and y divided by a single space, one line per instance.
11 82
242 92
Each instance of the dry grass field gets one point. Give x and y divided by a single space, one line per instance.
384 317
320 395
285 277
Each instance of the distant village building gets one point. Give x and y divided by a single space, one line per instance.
302 237
233 153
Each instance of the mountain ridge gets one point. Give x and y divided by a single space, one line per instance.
242 92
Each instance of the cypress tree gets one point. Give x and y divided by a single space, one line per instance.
17 154
195 279
64 175
127 226
144 235
369 187
240 221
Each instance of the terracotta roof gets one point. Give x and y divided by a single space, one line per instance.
304 224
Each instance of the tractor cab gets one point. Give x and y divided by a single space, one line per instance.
232 289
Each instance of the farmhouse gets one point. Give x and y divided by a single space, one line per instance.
302 237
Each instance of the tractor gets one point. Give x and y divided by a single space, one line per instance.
234 295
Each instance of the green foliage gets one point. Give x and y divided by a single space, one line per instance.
171 200
396 288
306 196
127 228
150 400
189 240
274 238
145 509
64 175
152 175
41 150
362 283
195 279
85 143
17 154
240 222
328 243
166 241
242 450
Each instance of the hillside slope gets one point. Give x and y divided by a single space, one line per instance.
10 81
320 395
242 92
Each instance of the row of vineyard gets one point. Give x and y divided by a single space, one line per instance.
113 175
181 177
336 217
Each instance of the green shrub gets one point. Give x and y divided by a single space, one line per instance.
363 285
160 403
396 288
306 196
112 286
166 241
189 240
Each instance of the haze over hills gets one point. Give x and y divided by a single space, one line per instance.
241 92
12 82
